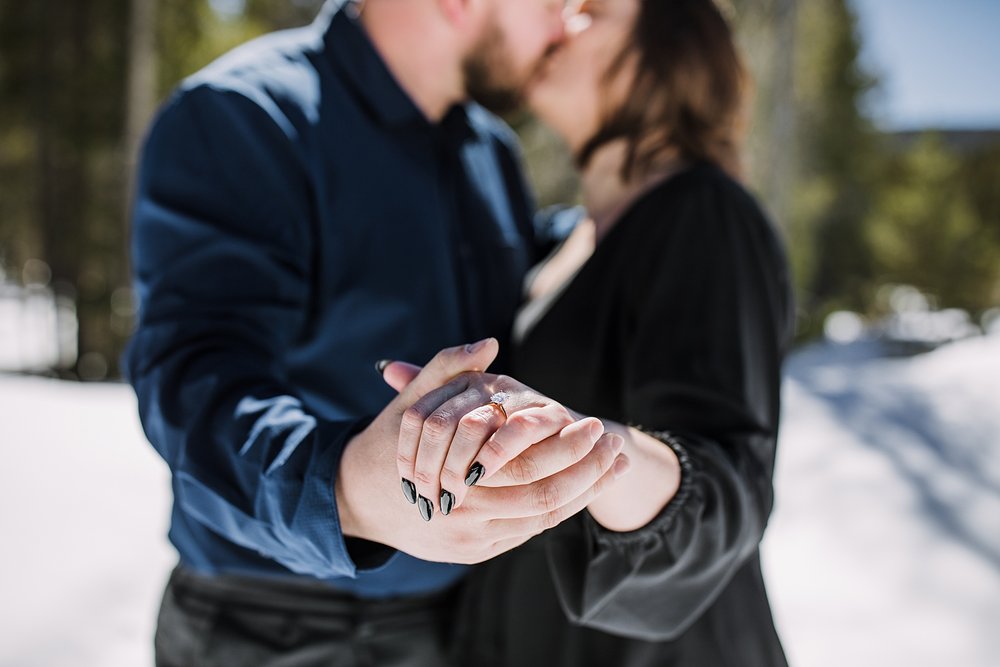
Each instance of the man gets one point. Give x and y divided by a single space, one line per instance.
312 202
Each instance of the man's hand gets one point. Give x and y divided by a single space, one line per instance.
575 462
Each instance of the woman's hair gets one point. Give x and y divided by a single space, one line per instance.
688 94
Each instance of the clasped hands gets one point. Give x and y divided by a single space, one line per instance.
489 478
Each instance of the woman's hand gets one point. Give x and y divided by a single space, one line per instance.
493 520
530 452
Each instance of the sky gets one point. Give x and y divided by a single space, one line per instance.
938 62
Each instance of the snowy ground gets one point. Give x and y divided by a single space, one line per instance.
884 548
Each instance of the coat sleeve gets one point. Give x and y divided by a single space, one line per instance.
707 321
222 268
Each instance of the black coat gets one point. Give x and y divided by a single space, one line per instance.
693 317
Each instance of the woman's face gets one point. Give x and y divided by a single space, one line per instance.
571 92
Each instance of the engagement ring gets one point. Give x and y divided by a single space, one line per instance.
498 399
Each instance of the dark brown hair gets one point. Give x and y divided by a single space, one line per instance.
688 94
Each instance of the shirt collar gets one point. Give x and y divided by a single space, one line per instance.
352 52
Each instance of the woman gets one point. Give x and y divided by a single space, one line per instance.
668 309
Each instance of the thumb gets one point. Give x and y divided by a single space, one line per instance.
446 364
398 374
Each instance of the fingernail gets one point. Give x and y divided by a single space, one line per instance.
472 348
447 502
409 490
621 467
381 364
476 472
426 508
596 430
617 443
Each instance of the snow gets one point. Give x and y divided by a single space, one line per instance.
84 508
884 547
883 550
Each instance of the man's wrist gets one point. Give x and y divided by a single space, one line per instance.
350 521
362 547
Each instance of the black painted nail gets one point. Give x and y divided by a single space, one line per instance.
447 502
381 364
476 471
409 490
426 508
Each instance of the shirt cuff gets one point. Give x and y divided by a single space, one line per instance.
358 554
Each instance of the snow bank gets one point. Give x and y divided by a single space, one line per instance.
84 509
884 548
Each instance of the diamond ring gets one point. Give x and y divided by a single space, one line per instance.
498 399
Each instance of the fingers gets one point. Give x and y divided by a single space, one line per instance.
436 439
411 428
448 363
398 374
413 383
547 457
535 525
524 428
548 495
473 429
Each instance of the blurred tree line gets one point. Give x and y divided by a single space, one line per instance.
860 208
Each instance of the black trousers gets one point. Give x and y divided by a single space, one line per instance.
232 621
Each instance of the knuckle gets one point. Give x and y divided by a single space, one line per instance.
461 539
468 376
579 447
606 459
446 355
452 481
413 418
473 424
599 486
550 520
600 467
425 478
564 417
522 469
520 421
406 461
438 425
546 497
494 449
460 382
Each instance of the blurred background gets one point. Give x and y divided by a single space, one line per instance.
875 145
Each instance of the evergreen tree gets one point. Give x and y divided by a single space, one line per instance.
926 230
838 165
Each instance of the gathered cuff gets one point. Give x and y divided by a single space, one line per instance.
663 521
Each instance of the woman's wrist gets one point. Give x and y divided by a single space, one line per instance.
638 496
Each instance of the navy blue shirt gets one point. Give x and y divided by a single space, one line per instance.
297 218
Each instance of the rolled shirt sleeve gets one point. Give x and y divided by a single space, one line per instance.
221 253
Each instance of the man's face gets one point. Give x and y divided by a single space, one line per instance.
516 37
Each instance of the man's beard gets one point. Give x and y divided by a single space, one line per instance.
488 78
